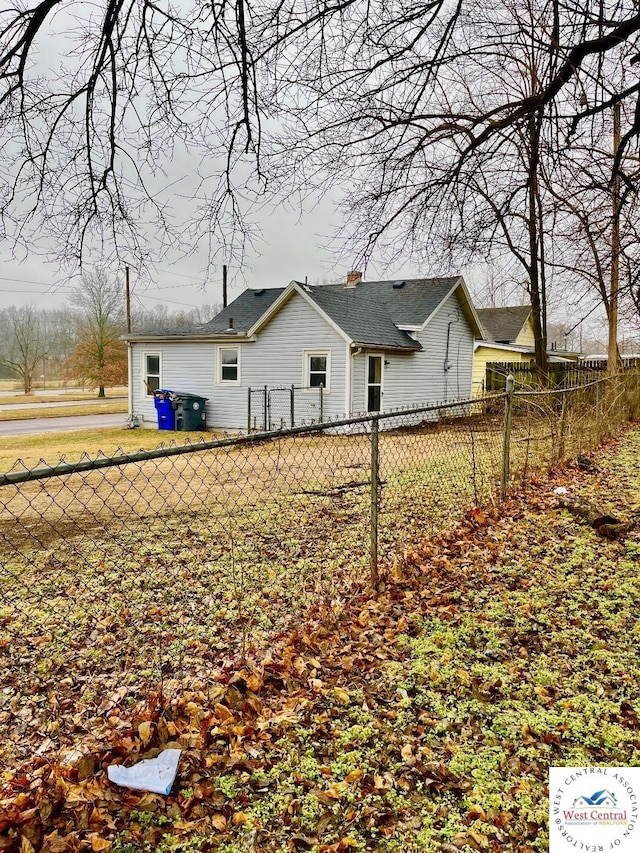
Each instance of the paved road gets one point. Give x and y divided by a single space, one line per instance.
33 425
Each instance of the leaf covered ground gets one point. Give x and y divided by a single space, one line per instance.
421 718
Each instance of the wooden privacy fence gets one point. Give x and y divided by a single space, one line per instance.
563 374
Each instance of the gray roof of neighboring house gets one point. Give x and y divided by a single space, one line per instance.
503 325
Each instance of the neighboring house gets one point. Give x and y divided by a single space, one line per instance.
508 325
373 346
508 337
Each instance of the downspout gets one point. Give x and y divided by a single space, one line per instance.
349 381
352 356
447 363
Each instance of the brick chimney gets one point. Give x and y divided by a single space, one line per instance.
353 278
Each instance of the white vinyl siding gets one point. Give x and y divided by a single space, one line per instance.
420 378
278 357
186 366
275 358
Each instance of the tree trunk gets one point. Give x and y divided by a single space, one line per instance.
538 306
101 391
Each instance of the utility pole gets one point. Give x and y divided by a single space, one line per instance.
224 285
128 294
612 352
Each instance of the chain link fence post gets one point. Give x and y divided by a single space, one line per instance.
506 442
375 485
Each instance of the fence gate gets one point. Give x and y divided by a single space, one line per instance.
283 407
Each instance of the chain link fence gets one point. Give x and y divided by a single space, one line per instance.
125 578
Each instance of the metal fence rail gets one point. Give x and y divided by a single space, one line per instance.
123 577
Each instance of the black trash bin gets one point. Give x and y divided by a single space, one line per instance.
163 400
190 412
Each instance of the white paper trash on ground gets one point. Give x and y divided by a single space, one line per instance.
153 774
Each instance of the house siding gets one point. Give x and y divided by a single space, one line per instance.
526 336
278 358
187 366
420 378
275 358
485 354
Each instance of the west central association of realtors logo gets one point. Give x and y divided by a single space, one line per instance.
593 809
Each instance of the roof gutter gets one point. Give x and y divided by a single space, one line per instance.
218 338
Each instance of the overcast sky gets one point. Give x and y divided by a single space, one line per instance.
294 245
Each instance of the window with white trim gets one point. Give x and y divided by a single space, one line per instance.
229 365
151 372
317 369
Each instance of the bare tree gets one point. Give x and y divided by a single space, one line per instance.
159 317
99 356
24 342
443 129
89 132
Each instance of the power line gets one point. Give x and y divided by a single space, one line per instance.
160 299
23 280
18 292
179 274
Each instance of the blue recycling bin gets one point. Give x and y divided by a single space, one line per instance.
163 400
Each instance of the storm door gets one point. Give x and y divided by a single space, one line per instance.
374 383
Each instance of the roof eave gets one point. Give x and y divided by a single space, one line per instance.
386 347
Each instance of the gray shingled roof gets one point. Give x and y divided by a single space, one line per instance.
245 311
503 325
371 312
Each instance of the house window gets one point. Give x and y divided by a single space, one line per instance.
229 365
317 370
151 371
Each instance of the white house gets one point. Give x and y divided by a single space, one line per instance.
370 345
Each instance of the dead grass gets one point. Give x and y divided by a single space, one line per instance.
445 465
67 396
437 465
68 389
97 407
51 448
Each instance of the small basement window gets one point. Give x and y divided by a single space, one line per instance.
151 372
229 365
